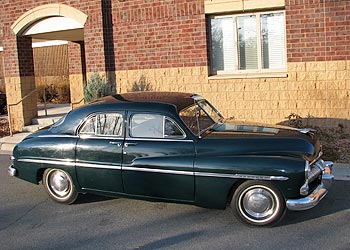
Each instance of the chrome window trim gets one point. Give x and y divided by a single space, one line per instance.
83 122
156 139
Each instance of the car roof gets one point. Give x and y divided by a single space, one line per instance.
166 102
179 99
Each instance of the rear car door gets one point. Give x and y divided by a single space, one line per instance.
158 158
99 152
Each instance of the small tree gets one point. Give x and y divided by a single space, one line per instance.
95 88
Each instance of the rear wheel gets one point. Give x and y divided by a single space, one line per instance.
258 203
59 186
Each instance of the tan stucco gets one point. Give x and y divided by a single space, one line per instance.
319 91
221 6
22 100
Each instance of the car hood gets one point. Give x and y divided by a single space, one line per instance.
258 139
241 128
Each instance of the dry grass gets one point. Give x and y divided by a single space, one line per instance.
4 128
335 144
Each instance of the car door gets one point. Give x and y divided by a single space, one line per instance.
158 158
99 152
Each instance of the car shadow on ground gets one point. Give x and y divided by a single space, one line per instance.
337 200
92 198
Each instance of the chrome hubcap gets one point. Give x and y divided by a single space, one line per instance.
258 204
59 183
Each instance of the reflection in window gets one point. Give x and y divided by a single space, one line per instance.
171 129
273 35
189 117
104 124
200 117
154 126
248 43
222 44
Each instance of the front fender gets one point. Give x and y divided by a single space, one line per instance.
215 176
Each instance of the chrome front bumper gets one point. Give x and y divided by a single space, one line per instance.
317 195
12 171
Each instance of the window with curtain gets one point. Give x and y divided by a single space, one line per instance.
248 43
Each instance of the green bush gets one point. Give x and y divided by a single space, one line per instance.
95 88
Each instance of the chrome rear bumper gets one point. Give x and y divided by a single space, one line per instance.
12 171
317 195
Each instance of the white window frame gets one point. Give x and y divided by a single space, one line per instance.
260 72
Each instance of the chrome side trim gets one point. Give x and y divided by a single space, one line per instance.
58 136
53 162
93 165
243 176
72 164
107 137
155 170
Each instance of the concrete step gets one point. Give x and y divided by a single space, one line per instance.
41 122
32 128
46 120
54 113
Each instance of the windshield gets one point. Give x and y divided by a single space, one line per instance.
200 117
210 111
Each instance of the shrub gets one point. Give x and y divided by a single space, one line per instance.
95 88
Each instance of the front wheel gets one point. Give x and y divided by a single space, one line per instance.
59 186
258 203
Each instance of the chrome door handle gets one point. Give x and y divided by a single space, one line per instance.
127 144
115 143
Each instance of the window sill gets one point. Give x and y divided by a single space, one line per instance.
249 76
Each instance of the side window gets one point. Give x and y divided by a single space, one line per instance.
171 129
104 124
189 117
154 126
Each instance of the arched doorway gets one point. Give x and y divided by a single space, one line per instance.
47 23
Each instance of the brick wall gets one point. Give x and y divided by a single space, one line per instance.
2 82
318 30
159 34
13 9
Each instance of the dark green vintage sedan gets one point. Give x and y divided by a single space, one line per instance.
176 147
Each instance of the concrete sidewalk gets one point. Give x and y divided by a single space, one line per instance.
8 143
341 171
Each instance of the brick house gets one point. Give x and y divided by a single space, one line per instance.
254 60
